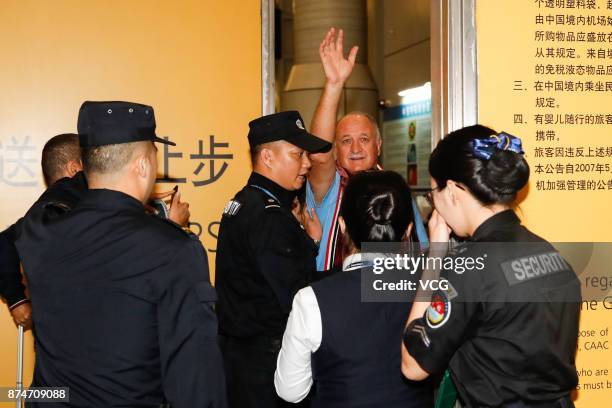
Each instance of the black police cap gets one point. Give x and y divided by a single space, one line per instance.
114 122
287 126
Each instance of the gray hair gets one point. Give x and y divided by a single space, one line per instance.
370 119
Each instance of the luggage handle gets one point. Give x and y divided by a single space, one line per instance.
19 384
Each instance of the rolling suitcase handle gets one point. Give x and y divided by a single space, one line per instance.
20 366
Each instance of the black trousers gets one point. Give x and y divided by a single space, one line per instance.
249 372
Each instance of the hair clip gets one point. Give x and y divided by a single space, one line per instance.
484 148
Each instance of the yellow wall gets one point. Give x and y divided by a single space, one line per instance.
197 62
506 33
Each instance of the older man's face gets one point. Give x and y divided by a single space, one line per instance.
357 145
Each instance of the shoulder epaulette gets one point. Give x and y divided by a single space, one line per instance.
271 203
58 206
232 208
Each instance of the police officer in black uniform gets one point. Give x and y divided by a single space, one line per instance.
123 306
65 193
12 289
61 160
507 330
264 257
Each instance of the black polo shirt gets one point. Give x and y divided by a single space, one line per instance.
264 257
498 348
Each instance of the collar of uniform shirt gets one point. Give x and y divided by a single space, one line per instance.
284 196
361 260
110 199
494 223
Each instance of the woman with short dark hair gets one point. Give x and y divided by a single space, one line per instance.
346 346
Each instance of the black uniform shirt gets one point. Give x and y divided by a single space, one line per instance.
64 193
122 306
11 288
263 258
500 349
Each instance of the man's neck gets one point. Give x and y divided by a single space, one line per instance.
268 175
114 183
285 196
345 174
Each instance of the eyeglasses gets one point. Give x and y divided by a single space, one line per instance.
429 195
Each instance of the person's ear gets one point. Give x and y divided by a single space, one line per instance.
378 145
452 190
73 167
267 157
142 166
407 233
342 225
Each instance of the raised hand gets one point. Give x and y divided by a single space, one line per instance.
179 211
337 68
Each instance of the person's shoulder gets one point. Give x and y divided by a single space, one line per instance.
326 274
337 279
466 266
162 228
130 226
65 192
164 239
305 301
250 203
523 234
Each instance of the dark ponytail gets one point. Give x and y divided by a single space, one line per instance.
489 164
380 209
376 207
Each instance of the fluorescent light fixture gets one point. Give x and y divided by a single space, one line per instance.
420 93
